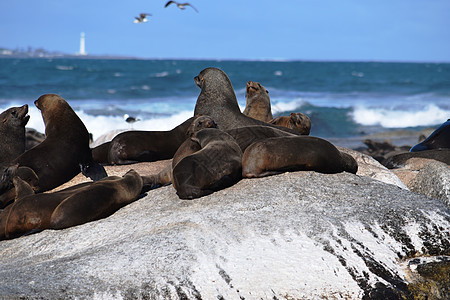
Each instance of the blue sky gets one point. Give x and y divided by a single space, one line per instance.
383 30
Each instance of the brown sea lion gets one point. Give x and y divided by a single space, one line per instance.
399 160
257 102
73 206
97 200
296 121
33 138
7 191
12 133
216 166
188 147
218 100
245 136
65 149
136 146
300 153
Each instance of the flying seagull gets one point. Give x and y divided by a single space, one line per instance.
180 5
142 18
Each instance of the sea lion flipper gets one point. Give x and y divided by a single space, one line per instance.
93 170
22 187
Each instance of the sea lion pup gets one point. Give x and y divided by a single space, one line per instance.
296 121
188 147
216 166
97 200
65 149
439 139
137 146
257 102
12 133
218 100
299 153
73 206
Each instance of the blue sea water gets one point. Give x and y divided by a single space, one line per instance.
343 99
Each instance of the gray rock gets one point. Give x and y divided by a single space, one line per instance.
301 235
370 167
427 177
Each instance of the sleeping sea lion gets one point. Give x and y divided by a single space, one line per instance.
216 166
245 136
439 139
188 147
218 100
296 121
257 102
97 200
294 153
73 206
399 160
12 133
65 149
136 146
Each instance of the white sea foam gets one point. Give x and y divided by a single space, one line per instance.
102 124
285 106
429 115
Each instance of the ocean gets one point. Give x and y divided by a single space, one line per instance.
346 101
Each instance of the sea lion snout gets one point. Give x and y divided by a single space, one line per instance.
198 81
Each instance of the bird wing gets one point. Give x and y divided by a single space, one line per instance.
170 2
190 6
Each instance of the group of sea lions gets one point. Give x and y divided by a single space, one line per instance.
210 151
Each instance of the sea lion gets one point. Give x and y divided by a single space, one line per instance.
296 121
216 166
136 146
299 153
33 138
65 149
439 139
245 136
218 100
97 200
7 191
12 133
257 102
399 160
188 147
73 206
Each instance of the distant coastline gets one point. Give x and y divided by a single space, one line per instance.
43 53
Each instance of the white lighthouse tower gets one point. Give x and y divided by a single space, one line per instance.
82 45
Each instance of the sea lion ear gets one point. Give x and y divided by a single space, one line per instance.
5 120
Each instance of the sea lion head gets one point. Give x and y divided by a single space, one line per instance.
201 122
213 80
300 122
15 116
49 105
255 88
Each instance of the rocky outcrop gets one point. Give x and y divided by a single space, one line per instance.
370 167
427 177
301 235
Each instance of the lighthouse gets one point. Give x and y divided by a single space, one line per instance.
82 45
